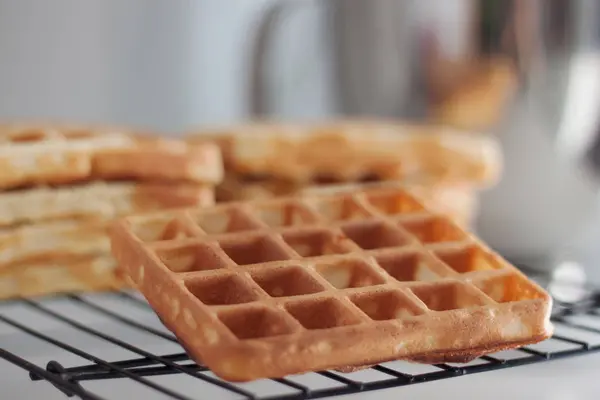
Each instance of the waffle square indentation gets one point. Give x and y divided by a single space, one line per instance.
386 305
322 313
157 228
393 202
286 281
349 273
255 322
326 178
317 242
254 250
317 306
374 235
28 136
78 134
223 220
221 290
468 259
407 267
509 288
339 208
283 214
434 230
190 257
444 296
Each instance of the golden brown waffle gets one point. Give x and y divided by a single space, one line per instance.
284 286
351 151
97 200
59 275
472 95
33 155
459 201
235 188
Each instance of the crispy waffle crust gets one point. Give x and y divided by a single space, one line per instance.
363 149
270 288
97 200
47 154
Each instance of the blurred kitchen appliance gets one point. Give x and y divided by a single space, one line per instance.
527 71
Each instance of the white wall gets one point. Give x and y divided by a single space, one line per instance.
166 64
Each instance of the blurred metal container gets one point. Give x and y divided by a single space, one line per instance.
527 71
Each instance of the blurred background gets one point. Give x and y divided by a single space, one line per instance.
524 71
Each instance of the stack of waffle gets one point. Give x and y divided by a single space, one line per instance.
445 168
61 185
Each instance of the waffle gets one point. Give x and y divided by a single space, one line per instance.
350 151
60 275
269 288
53 240
33 155
458 201
97 200
235 188
471 96
76 237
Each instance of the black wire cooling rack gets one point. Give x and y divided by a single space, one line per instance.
114 320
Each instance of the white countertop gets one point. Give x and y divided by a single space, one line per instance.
571 378
574 378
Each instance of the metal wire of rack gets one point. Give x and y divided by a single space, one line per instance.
577 333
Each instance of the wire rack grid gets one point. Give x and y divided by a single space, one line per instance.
86 331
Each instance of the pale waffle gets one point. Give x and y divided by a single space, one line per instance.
269 288
348 151
66 239
33 155
52 240
60 275
59 235
97 200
